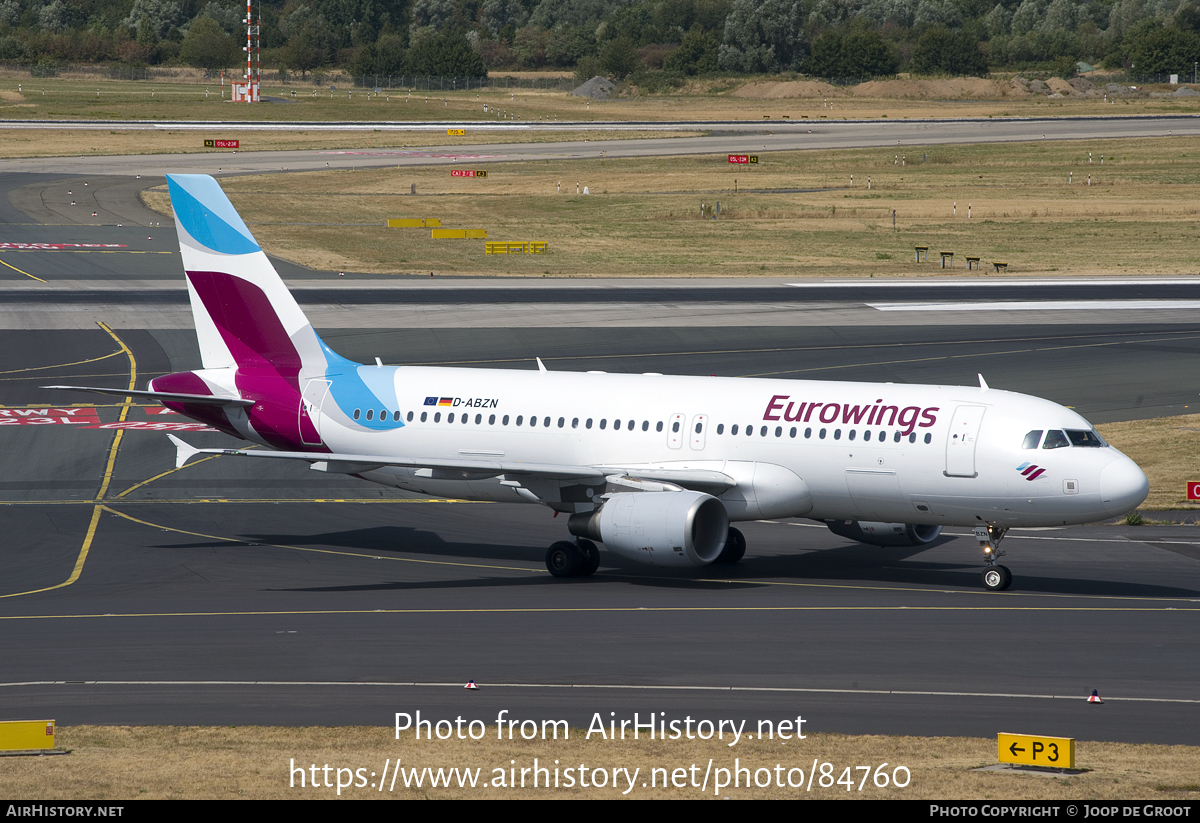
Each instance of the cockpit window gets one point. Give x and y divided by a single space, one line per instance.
1055 440
1085 437
1032 439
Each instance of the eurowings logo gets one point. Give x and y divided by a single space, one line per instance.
1030 471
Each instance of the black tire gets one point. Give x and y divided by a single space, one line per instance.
735 547
996 578
591 557
1007 577
563 559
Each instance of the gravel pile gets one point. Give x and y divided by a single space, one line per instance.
598 88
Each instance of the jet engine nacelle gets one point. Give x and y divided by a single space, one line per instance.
884 534
683 528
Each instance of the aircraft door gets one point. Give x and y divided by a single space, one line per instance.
961 441
675 433
696 433
310 411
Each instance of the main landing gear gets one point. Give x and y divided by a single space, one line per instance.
735 547
996 578
578 559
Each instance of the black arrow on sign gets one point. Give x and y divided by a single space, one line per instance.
1013 749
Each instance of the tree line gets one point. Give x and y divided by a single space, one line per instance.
651 41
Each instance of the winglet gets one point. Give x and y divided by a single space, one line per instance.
183 452
541 365
983 386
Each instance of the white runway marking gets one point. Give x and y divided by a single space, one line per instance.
1042 305
617 686
1006 281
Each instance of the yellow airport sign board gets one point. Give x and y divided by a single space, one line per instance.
413 222
26 735
451 234
1036 750
456 132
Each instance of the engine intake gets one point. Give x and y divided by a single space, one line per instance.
683 528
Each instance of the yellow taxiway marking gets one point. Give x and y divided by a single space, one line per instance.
79 561
320 551
104 483
59 366
116 443
168 471
18 271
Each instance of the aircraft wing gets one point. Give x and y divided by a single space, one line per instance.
163 396
450 469
442 469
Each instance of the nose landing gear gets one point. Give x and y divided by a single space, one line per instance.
996 578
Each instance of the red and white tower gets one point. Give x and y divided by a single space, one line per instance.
247 91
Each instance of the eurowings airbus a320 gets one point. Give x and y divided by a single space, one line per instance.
654 467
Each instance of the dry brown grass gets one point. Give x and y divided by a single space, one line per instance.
643 216
1166 449
106 142
705 99
119 763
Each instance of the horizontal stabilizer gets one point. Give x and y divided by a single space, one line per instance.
183 452
163 396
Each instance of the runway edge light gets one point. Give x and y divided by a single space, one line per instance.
26 735
471 686
1036 750
1094 697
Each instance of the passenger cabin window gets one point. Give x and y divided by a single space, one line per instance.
1085 438
1055 440
1032 439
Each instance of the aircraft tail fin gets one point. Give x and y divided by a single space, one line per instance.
245 316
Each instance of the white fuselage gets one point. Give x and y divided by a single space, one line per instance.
863 451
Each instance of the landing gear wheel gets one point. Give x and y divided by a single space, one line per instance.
997 578
591 557
735 547
564 559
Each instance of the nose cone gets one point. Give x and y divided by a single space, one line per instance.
1123 486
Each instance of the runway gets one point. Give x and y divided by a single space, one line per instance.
233 593
715 137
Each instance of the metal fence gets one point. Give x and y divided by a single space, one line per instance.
315 79
419 83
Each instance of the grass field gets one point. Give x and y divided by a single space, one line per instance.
1027 205
119 763
1165 449
109 142
23 97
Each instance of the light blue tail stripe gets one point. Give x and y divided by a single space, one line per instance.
207 215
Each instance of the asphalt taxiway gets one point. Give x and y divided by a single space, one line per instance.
235 593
